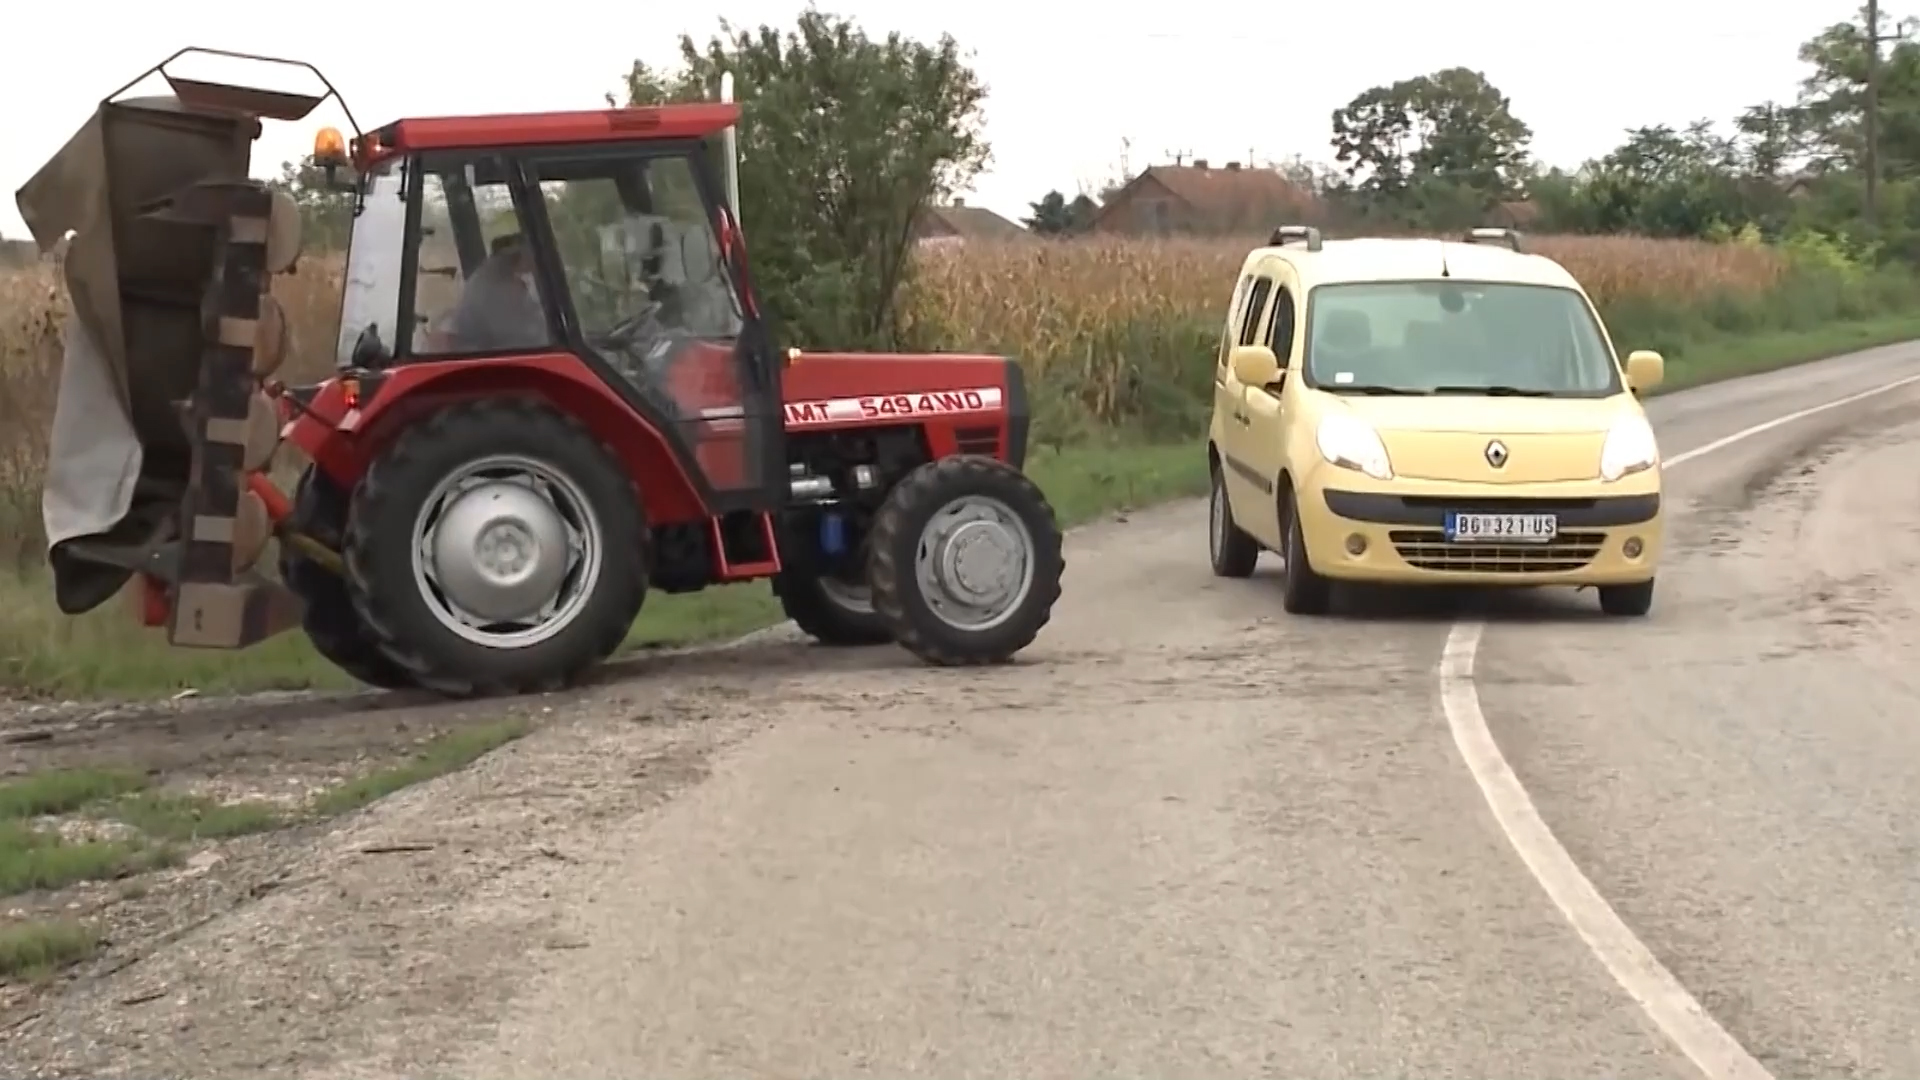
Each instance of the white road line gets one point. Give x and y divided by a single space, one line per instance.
1715 1053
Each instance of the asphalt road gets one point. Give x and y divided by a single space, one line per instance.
1190 837
1198 837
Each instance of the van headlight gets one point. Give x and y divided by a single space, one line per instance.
1352 443
1630 448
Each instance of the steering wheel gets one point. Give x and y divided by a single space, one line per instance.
621 334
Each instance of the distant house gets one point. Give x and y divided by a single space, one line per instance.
1799 185
1515 215
956 223
1204 199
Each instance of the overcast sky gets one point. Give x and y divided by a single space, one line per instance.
1212 78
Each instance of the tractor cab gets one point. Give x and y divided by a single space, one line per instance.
601 235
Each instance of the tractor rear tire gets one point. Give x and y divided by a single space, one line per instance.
327 615
409 538
916 551
830 619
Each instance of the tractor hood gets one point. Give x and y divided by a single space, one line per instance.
119 453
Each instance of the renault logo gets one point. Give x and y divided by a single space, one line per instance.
1496 453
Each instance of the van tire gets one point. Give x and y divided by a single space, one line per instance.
1305 592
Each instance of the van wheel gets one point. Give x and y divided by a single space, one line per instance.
1305 592
1234 553
1627 601
496 547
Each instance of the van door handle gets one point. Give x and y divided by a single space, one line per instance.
1242 417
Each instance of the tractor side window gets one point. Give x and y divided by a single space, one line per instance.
635 239
475 290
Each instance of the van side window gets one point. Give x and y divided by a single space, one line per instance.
1280 331
1229 333
1256 307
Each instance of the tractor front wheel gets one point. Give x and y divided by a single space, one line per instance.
965 561
497 547
831 611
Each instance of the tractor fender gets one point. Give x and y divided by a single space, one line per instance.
346 424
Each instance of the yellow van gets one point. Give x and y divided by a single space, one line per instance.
1412 411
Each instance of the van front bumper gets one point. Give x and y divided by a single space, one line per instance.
1397 535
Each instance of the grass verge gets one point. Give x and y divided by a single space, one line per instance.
1731 357
154 827
448 753
145 829
32 949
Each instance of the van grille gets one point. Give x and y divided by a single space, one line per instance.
1428 549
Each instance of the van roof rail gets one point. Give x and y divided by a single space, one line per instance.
1296 232
1509 237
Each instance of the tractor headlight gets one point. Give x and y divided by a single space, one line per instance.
1630 448
1352 443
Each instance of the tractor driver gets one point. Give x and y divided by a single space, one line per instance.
499 310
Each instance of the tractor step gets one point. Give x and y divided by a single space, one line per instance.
735 536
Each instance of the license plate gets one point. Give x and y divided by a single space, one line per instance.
1502 528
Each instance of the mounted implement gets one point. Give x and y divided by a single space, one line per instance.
553 391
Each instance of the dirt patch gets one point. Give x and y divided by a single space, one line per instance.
126 826
192 953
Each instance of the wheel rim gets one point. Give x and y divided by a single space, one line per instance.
857 599
1216 521
506 552
974 563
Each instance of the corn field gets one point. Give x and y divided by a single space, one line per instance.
1110 331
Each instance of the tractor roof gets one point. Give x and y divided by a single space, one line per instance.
507 130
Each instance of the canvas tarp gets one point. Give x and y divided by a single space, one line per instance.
118 454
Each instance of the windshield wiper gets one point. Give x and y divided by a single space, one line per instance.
1493 391
1384 391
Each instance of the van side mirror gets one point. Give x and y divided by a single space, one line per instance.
1645 369
1254 365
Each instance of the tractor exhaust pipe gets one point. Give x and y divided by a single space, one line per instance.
730 144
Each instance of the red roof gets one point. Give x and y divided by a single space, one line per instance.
537 129
1214 190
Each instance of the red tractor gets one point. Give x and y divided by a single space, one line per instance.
555 389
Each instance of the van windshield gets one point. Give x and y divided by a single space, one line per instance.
1456 337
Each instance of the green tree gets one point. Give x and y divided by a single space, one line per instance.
1424 139
326 215
1830 116
1769 135
844 140
1056 215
